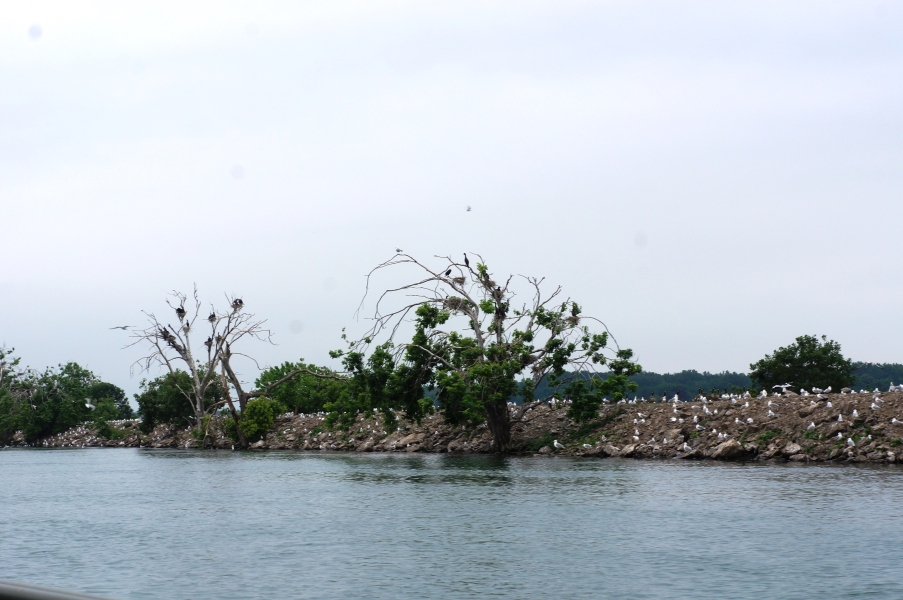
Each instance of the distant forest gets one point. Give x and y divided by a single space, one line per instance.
688 384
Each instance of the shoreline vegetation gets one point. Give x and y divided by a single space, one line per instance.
856 427
457 359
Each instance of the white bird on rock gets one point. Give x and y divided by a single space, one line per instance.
840 418
874 406
896 421
699 428
695 419
829 405
558 445
685 447
839 436
828 390
749 420
763 394
587 446
770 413
811 426
855 413
850 442
746 405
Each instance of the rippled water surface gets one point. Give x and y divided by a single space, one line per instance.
179 524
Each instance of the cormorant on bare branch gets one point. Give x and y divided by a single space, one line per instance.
180 312
209 342
466 262
447 273
212 318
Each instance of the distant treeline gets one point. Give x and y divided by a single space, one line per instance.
688 384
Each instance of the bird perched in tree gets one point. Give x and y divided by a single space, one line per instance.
180 312
209 343
237 304
399 250
212 318
466 262
447 273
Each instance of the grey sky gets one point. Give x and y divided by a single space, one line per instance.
711 179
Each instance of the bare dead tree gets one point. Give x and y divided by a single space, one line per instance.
174 347
479 331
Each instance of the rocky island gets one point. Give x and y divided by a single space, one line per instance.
855 427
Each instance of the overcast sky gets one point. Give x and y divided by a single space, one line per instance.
712 179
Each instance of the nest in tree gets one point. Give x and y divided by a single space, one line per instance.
458 280
491 284
455 303
573 320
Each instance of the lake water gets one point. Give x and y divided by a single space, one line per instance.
180 524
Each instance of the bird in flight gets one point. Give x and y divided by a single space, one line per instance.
468 208
122 327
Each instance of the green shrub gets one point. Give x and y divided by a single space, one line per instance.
257 418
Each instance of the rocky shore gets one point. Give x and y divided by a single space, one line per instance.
860 427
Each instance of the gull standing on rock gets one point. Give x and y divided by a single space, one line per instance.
558 445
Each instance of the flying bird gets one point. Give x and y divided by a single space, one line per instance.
88 404
468 208
122 327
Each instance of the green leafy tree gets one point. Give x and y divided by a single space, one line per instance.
477 349
808 363
123 409
59 399
309 389
163 400
15 393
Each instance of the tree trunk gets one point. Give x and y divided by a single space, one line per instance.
499 425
